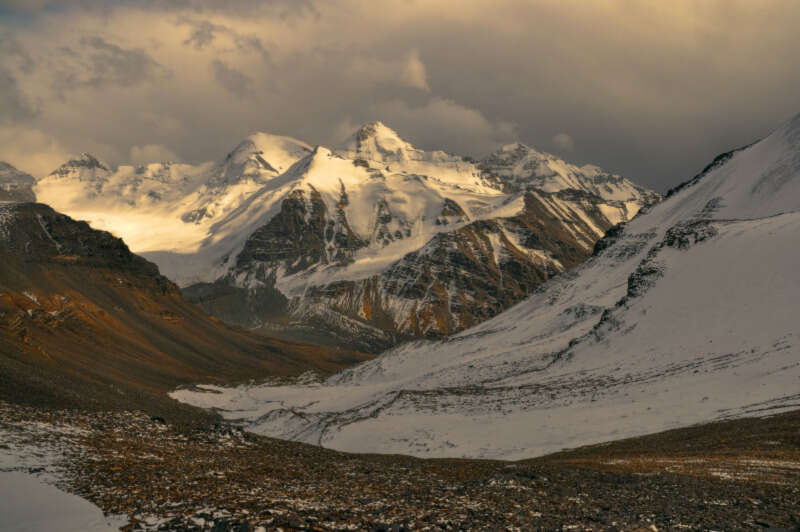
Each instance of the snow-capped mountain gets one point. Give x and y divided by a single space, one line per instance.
15 185
686 314
516 167
375 240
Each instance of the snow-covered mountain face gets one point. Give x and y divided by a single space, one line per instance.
685 315
15 186
170 209
375 240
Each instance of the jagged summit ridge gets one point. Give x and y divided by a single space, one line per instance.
260 156
379 132
375 141
86 169
85 160
517 166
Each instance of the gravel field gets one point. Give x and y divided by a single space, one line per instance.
738 475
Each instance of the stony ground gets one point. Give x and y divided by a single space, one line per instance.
727 476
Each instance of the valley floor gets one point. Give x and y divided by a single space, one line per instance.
741 474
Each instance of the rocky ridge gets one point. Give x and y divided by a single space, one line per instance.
86 322
15 185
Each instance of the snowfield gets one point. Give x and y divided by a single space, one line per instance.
688 315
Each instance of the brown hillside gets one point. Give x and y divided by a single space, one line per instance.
85 322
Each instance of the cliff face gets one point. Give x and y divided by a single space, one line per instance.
380 242
84 321
457 279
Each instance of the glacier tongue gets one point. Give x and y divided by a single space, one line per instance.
687 315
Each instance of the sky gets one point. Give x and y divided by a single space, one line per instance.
652 90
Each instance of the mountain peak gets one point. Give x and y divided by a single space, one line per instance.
87 160
516 166
514 146
375 129
85 166
511 155
260 155
11 175
378 142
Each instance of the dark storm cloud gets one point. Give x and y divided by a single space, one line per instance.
97 63
204 33
112 64
650 89
231 79
251 43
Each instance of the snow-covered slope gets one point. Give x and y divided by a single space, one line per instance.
376 240
169 207
516 166
686 315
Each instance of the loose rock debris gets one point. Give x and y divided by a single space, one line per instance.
220 478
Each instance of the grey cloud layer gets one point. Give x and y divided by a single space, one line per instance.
107 63
15 106
231 79
652 90
203 34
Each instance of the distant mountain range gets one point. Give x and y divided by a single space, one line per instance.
364 245
686 314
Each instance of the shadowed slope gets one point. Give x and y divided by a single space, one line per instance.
85 322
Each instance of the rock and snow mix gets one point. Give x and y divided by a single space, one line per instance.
15 185
687 315
377 230
202 213
214 477
6 217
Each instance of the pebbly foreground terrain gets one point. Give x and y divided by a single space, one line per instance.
150 475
